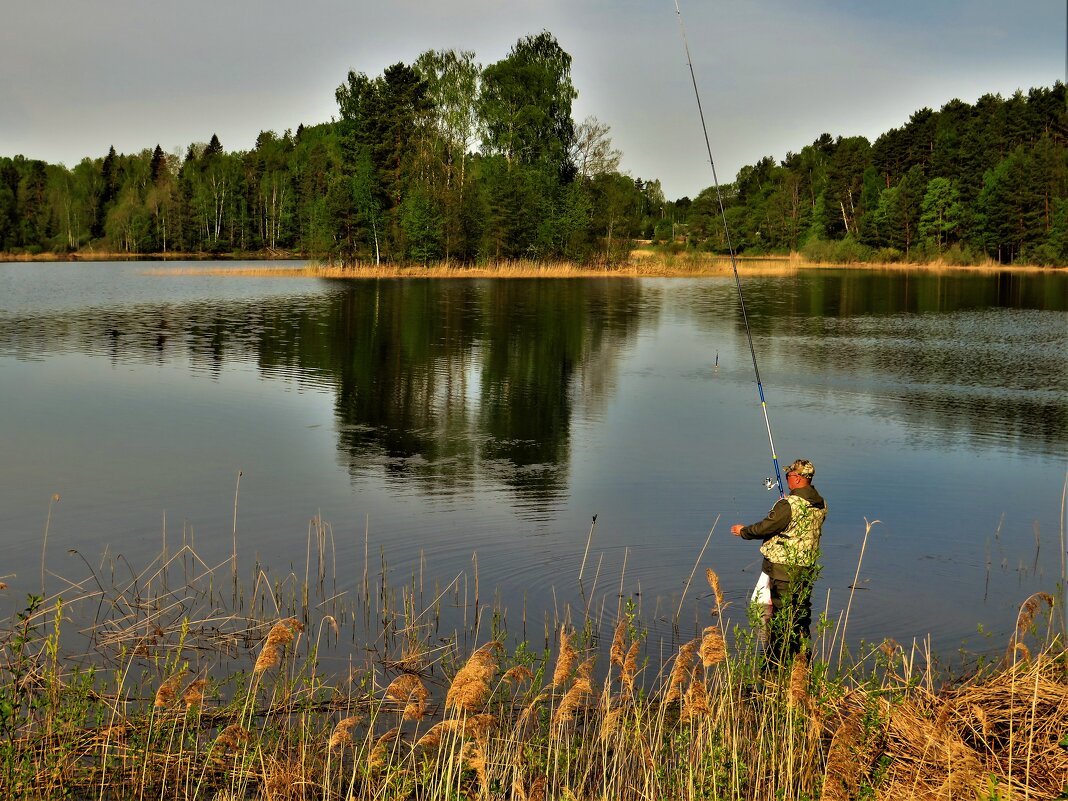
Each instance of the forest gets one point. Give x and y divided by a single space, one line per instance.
448 160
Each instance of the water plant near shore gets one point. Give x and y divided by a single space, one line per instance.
170 696
643 263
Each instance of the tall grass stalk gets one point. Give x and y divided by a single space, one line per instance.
586 553
1064 569
44 540
233 564
689 579
853 587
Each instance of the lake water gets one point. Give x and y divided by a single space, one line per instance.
451 418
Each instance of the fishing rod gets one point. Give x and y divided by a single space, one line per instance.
734 263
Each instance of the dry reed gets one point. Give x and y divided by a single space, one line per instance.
799 678
579 691
643 262
713 650
617 653
167 693
520 674
280 636
630 666
380 754
891 734
233 736
844 762
470 688
680 672
342 734
410 690
565 660
695 701
433 736
713 582
194 693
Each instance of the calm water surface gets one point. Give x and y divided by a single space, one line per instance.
450 418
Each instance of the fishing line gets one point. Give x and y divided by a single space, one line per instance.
734 262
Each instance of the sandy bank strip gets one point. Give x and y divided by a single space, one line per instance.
642 264
645 268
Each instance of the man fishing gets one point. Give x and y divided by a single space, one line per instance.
791 535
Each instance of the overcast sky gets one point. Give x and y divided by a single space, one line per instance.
80 76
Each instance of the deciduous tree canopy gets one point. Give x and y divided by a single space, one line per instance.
447 159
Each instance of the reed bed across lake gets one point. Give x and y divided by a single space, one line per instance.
641 264
180 681
640 267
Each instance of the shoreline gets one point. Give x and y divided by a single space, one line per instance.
642 264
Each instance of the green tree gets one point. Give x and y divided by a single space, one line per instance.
33 209
525 105
845 185
366 195
108 190
443 156
940 213
1010 207
383 119
899 211
9 214
618 214
452 79
421 223
213 149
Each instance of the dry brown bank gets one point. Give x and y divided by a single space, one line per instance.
643 262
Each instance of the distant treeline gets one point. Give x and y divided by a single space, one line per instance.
440 159
447 159
963 184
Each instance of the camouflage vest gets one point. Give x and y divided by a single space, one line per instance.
799 544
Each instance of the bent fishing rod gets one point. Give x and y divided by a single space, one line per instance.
734 263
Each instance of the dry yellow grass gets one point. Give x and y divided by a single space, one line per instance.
565 660
342 734
409 690
281 635
579 691
168 690
799 676
194 693
470 688
617 652
695 701
738 732
630 666
713 582
520 674
433 736
642 264
713 649
844 759
680 672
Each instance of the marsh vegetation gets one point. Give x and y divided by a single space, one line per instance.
184 680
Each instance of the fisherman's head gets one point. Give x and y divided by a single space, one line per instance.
800 473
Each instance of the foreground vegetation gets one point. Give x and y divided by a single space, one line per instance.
147 688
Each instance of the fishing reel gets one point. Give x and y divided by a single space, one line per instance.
770 484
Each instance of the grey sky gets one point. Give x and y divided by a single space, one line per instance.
80 76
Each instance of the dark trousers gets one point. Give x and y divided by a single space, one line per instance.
791 601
